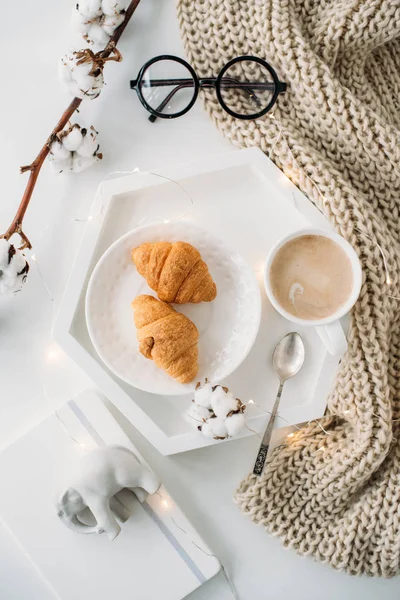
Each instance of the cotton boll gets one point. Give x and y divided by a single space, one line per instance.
58 151
76 78
97 86
90 9
121 5
73 90
108 7
113 7
234 424
13 268
63 165
197 415
202 395
79 22
80 163
111 23
4 252
223 402
87 84
97 34
84 85
206 430
73 139
64 70
218 427
88 147
9 285
17 264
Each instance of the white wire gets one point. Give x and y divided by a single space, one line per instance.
387 273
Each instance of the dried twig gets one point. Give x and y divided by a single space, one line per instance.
109 53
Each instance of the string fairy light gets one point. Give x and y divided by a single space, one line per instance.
137 171
269 413
278 137
319 424
289 174
53 353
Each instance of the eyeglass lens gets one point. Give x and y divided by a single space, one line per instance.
247 87
167 86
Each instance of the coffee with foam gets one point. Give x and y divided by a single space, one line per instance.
311 277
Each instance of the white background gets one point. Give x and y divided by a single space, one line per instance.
35 376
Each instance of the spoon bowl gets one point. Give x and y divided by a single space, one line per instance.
288 357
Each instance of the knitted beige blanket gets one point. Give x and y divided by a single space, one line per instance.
336 132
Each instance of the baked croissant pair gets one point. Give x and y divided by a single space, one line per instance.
178 274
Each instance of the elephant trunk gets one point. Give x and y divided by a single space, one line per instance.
149 482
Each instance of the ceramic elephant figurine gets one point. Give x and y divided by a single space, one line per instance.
103 473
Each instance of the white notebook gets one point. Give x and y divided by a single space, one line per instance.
158 554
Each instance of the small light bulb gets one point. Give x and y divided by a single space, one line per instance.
290 435
286 178
90 218
53 354
322 448
33 257
388 280
250 402
165 503
346 412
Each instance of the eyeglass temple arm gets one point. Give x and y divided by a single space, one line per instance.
234 83
160 108
210 82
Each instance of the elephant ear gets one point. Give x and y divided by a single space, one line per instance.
70 496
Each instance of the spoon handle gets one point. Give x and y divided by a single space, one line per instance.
264 446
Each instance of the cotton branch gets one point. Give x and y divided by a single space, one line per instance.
110 53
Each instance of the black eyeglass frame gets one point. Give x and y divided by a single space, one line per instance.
207 82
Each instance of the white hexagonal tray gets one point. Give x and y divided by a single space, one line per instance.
244 199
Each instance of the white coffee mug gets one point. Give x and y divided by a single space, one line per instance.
329 328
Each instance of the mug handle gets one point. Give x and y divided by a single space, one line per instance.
333 338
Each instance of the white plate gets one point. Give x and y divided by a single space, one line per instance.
227 326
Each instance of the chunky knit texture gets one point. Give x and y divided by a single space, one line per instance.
336 133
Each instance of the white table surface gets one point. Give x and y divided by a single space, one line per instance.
34 35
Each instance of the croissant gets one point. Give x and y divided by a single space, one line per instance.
167 337
176 272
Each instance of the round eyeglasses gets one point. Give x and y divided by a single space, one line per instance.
247 87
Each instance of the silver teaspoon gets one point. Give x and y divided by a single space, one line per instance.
288 358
